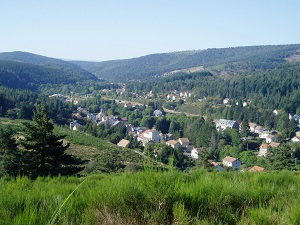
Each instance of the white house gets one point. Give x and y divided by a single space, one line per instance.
264 134
149 135
185 94
294 116
295 139
252 127
232 162
171 97
222 124
195 153
157 113
276 111
263 150
226 101
74 125
270 138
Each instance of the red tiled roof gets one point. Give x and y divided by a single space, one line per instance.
256 169
274 144
264 146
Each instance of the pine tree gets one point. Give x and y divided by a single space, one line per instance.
10 156
45 151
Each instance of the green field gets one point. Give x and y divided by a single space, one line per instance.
153 198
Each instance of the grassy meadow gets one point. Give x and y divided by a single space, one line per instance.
153 198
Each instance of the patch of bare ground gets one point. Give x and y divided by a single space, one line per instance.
82 151
294 58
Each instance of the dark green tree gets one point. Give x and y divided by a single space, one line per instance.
10 156
281 158
45 152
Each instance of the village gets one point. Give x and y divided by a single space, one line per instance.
145 135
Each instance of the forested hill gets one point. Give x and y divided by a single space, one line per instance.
150 66
67 69
29 76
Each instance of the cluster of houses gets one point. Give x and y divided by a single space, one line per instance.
98 119
234 163
145 135
179 94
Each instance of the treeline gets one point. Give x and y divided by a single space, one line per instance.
17 103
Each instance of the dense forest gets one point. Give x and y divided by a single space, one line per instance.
155 65
266 89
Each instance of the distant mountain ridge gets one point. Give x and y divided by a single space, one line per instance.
28 71
155 65
57 64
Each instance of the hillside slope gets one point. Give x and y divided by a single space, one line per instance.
29 76
151 66
66 68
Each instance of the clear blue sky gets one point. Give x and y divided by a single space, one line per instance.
116 29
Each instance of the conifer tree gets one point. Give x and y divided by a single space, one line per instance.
45 151
10 157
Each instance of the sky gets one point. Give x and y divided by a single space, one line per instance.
100 30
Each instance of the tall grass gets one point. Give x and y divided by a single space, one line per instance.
153 198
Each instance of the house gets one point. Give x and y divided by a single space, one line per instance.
258 129
184 142
123 143
263 150
173 143
171 97
294 116
226 101
274 144
264 134
252 127
232 162
116 123
222 124
123 120
256 169
120 91
276 112
74 125
270 138
91 117
76 115
169 137
295 139
217 166
83 111
176 92
128 105
101 116
149 135
195 153
187 153
185 94
157 113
